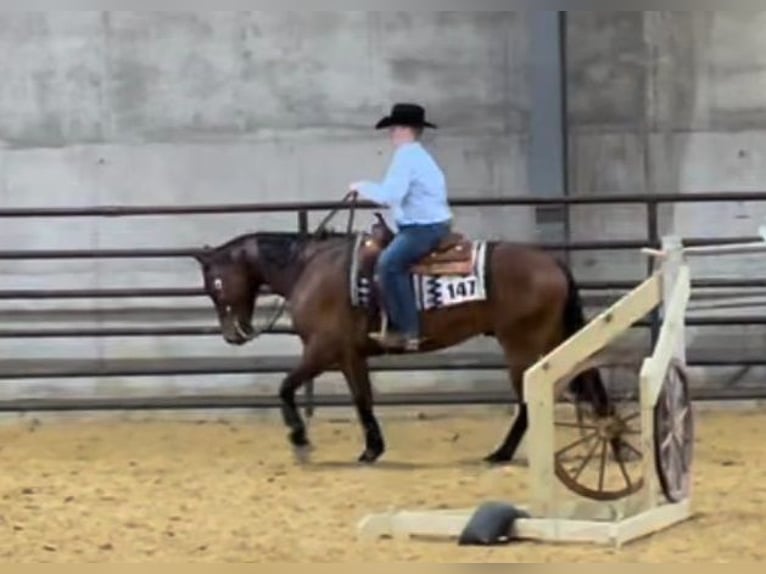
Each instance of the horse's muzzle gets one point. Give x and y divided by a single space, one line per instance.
235 332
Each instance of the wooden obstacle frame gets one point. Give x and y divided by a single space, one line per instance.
661 497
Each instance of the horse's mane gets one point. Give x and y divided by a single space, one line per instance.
278 248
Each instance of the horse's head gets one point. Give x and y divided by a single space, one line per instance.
233 286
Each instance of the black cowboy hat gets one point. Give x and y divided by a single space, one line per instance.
411 115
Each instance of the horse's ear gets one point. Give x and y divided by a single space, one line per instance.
202 256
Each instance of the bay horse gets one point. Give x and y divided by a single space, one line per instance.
532 305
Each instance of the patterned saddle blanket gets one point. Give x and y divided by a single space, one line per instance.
438 282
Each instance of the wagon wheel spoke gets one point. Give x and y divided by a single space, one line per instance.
684 463
577 426
626 423
602 470
577 443
633 449
677 466
586 460
681 464
631 416
681 416
620 462
678 454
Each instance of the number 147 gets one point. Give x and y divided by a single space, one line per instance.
466 288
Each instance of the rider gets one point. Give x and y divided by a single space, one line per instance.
414 188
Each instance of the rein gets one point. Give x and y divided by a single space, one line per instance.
352 197
319 230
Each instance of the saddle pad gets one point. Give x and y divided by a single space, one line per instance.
431 291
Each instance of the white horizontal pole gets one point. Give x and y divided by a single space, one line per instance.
755 247
723 249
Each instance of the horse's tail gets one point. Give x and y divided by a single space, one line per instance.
588 385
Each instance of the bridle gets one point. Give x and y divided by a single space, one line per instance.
280 309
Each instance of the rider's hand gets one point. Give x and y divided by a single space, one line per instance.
353 191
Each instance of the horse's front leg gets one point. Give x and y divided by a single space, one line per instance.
357 375
312 363
292 418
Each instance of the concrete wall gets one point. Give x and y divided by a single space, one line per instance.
667 102
185 108
670 102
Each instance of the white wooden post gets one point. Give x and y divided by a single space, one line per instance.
676 290
671 267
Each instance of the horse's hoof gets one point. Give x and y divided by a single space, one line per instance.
369 456
299 439
497 458
302 454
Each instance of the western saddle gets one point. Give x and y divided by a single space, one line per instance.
453 255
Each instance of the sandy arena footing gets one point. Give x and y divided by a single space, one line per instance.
116 490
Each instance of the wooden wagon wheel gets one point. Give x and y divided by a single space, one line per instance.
598 456
674 434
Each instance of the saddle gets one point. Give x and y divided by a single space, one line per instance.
453 255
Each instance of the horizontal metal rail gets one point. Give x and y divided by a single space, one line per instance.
237 402
173 331
152 210
181 292
215 331
107 293
161 253
148 253
22 369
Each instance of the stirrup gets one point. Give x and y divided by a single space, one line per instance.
397 341
384 337
412 345
379 335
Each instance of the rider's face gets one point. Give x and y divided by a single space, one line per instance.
401 134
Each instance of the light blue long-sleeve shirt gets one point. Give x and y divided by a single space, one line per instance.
414 187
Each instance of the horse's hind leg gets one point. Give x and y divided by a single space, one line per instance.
520 353
510 444
357 375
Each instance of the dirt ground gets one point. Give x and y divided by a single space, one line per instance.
231 491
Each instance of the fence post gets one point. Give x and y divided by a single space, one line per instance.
303 229
653 235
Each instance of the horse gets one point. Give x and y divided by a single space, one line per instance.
532 304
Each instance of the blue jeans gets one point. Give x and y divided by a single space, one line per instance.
412 243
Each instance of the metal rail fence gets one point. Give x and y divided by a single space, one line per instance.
62 369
